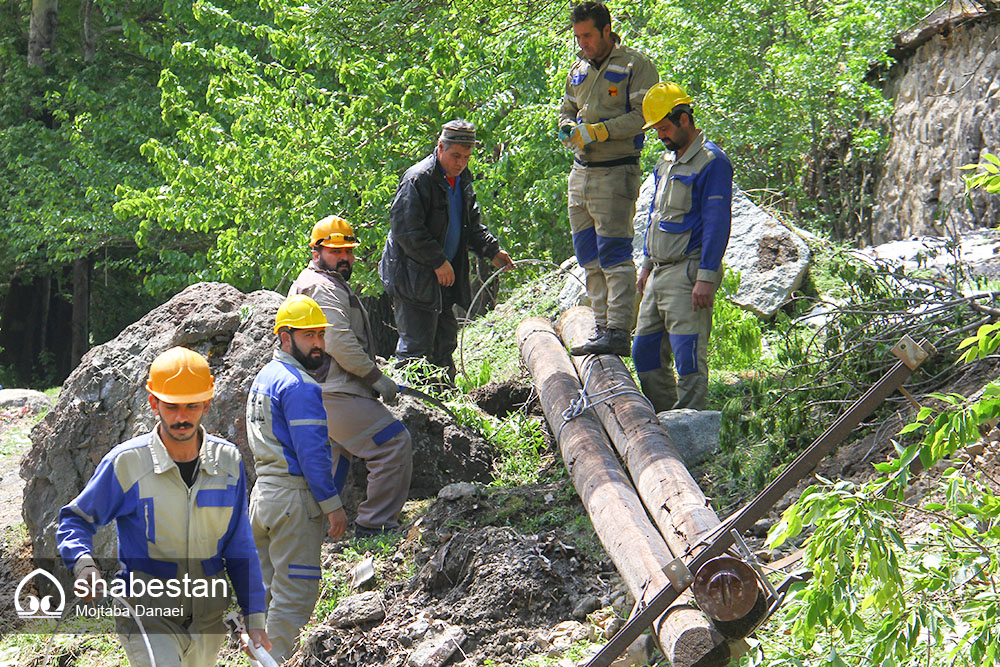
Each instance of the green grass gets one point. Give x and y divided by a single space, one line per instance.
488 349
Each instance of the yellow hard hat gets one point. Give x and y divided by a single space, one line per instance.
180 375
333 232
300 312
661 100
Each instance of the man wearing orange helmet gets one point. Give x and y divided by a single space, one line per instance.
295 502
178 497
686 237
357 422
435 221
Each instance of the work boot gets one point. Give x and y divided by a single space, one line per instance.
600 331
614 341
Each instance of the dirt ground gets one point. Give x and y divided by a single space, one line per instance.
14 442
502 567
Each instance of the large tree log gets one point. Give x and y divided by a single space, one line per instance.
620 521
674 500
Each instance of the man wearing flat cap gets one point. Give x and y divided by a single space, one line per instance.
434 222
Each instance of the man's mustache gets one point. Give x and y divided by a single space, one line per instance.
182 425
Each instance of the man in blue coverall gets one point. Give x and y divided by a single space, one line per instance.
179 499
686 237
296 499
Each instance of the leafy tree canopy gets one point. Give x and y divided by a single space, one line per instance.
288 111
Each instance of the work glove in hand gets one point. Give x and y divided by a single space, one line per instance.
587 133
564 133
386 388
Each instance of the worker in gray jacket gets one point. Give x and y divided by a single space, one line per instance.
600 120
296 499
358 423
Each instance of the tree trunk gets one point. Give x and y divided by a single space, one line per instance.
620 521
674 500
42 30
81 310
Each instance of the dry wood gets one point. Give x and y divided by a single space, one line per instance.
618 516
674 500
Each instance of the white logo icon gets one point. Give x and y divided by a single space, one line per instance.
35 608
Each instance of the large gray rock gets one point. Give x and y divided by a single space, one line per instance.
438 645
104 401
695 433
772 260
358 610
36 401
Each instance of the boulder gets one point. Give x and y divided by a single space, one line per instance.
694 432
771 259
104 401
358 609
35 401
439 644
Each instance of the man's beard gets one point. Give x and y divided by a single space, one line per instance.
192 430
343 267
308 361
671 146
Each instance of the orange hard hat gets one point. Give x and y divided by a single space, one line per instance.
180 375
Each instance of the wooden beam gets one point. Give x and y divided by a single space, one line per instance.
616 512
676 503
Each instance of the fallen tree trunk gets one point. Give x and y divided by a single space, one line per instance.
685 634
674 500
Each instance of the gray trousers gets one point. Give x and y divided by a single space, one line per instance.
364 427
670 333
288 528
601 208
174 643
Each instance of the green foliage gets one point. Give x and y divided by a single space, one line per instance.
987 176
284 115
823 355
778 82
736 333
927 596
258 118
488 351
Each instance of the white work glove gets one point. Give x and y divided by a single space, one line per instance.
386 388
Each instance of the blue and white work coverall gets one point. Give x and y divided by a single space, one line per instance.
686 237
169 531
298 485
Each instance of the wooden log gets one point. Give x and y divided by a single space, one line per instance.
676 503
685 634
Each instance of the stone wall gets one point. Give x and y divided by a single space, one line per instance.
947 113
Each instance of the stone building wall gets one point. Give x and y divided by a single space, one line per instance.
946 86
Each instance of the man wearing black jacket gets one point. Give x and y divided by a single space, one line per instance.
434 222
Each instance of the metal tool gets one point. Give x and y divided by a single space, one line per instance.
260 657
910 355
427 398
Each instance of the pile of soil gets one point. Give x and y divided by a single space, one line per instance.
479 569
